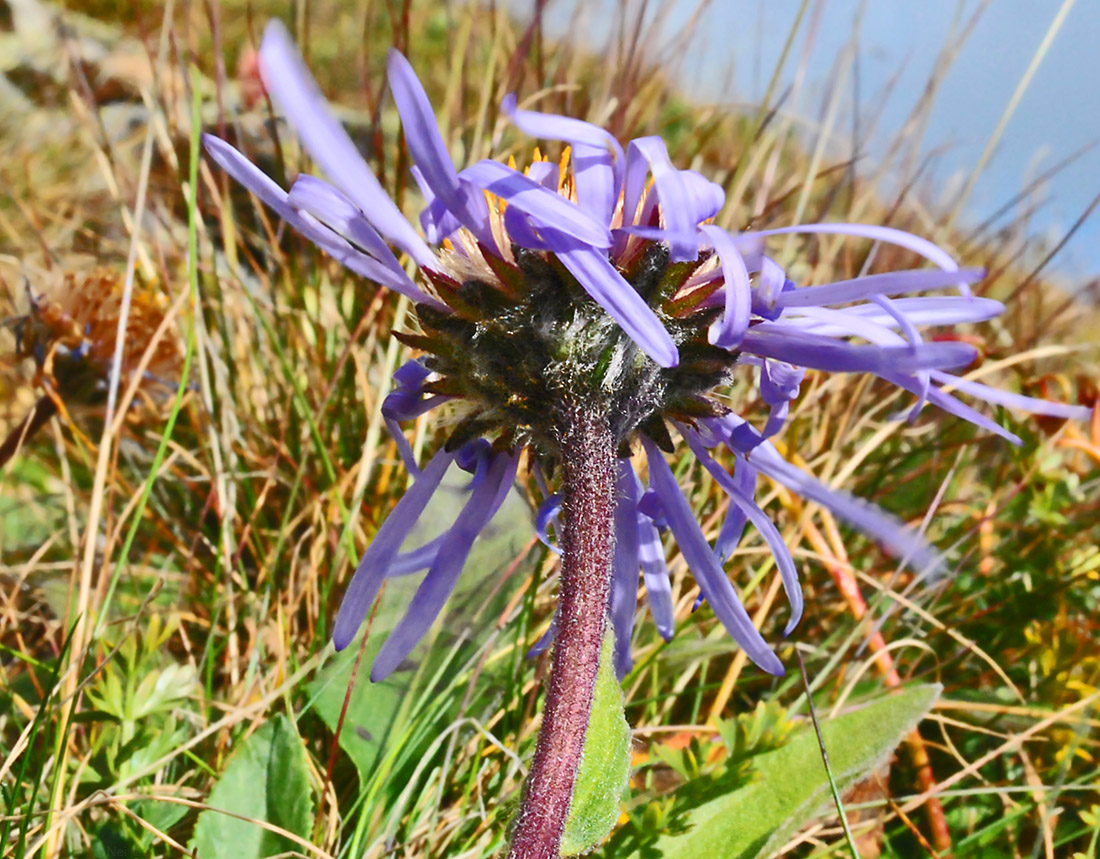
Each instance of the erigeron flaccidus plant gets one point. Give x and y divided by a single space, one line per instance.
587 312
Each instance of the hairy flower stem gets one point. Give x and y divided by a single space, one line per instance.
588 511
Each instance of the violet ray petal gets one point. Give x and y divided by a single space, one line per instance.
415 560
544 206
942 309
623 599
473 458
435 219
704 566
675 199
777 417
332 208
904 324
651 555
518 227
930 251
729 331
1033 405
406 402
595 182
660 234
610 290
545 640
634 173
433 592
624 565
429 152
649 505
374 566
409 409
426 145
770 285
249 175
950 404
733 528
365 265
769 340
547 514
847 323
910 332
890 532
707 198
714 431
597 155
298 96
404 449
410 376
780 382
939 310
780 552
891 283
546 173
745 438
551 126
269 193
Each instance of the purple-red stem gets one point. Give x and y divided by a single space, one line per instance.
588 540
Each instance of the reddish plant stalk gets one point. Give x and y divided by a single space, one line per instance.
588 540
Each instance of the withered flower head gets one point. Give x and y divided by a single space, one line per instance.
69 331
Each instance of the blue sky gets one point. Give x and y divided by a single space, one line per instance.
741 41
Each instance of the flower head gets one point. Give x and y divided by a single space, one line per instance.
601 281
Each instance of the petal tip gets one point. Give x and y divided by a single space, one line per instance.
770 663
395 58
275 29
276 39
215 147
341 637
666 354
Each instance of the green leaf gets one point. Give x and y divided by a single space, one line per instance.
161 815
372 707
267 779
605 766
790 786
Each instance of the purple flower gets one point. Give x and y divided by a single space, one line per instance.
603 281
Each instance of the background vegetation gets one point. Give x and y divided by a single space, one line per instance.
168 580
